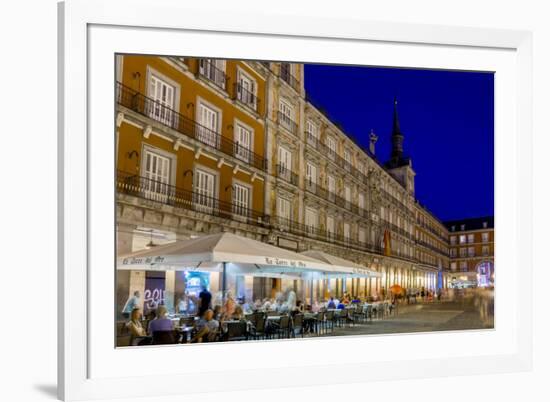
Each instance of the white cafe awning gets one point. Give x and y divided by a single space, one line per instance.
242 255
348 269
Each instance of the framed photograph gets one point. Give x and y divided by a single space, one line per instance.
326 201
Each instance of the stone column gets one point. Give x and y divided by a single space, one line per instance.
169 290
128 282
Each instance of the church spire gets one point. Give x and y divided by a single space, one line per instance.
396 138
396 127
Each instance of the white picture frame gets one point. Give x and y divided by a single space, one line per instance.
89 370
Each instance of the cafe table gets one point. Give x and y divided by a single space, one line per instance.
185 331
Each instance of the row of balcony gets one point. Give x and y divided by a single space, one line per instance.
431 247
333 156
287 225
165 115
394 228
327 195
209 71
470 255
162 193
430 229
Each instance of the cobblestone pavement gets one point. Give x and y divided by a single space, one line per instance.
422 318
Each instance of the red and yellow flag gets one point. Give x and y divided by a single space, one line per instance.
387 242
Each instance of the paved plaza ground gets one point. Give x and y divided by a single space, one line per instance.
422 318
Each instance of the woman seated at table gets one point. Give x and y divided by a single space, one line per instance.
238 314
218 312
228 309
207 328
346 299
161 322
135 327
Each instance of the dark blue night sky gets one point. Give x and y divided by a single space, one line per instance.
446 117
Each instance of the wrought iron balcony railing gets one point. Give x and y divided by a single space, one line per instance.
287 77
286 122
209 70
163 114
247 98
312 140
286 174
163 193
288 225
157 191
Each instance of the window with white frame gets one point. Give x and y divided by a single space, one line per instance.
485 250
347 194
330 226
311 176
283 209
209 124
464 266
156 170
485 237
287 74
453 240
213 70
361 202
361 168
331 184
347 158
471 238
204 189
241 199
243 142
347 231
463 252
312 132
246 89
462 227
285 163
462 239
471 252
286 112
331 145
163 95
362 236
311 220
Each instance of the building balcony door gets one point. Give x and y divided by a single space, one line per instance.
163 95
204 194
156 171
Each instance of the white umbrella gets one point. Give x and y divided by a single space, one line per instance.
209 251
221 251
346 268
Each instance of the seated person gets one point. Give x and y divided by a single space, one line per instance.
135 327
207 328
218 312
238 314
228 308
247 307
331 303
161 323
341 306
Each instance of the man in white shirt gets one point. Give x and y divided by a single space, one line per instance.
131 303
